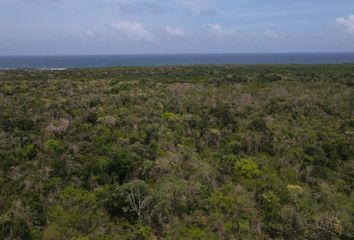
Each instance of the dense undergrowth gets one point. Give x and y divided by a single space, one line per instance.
204 152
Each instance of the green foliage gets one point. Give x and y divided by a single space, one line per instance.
53 146
121 164
76 214
177 152
29 152
224 116
136 201
192 233
258 125
22 123
246 168
14 229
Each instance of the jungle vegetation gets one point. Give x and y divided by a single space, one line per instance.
177 152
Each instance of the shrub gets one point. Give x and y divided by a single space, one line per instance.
53 146
258 125
246 168
14 228
135 201
121 164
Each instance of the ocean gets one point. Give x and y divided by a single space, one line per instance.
62 62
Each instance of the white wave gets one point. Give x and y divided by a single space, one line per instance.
51 69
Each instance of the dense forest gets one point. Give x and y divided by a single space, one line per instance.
177 152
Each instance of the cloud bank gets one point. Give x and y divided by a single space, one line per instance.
347 24
154 26
221 31
174 31
133 31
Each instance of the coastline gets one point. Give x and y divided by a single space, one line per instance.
60 62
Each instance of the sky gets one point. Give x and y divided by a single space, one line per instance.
89 27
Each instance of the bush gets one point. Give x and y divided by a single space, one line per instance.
53 146
246 168
135 201
14 229
258 125
122 164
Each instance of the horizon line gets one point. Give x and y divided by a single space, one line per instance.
169 54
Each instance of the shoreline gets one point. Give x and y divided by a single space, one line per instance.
43 69
108 61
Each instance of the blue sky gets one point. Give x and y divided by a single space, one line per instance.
51 27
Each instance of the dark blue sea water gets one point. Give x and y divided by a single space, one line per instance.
172 59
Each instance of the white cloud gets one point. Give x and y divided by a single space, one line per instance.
174 31
347 24
133 31
221 31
